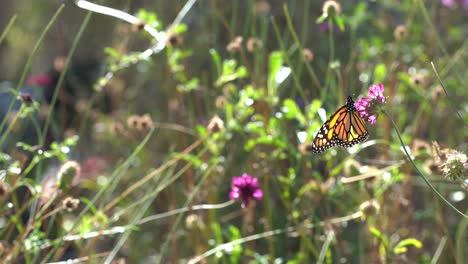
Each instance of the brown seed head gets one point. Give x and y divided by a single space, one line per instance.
70 204
216 124
331 7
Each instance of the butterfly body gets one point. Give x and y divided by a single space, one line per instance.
345 128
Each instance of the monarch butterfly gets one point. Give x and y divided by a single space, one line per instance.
344 128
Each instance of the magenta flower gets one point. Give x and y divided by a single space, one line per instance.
368 107
39 79
245 188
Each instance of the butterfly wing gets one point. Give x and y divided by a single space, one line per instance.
344 128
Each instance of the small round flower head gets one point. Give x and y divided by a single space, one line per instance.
308 55
245 188
26 98
216 124
368 107
376 92
254 44
235 45
400 32
331 7
70 204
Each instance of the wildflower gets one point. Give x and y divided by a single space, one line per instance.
308 55
254 44
235 45
452 163
456 165
245 188
331 7
368 107
216 124
70 204
26 98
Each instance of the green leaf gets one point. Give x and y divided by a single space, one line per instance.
180 28
237 249
216 60
231 72
339 21
321 18
380 71
379 236
292 111
401 247
275 63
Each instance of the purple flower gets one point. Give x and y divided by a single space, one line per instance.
26 97
245 188
368 107
376 92
449 3
453 4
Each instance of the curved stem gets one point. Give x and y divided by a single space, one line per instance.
420 172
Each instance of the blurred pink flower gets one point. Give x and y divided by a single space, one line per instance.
245 188
39 79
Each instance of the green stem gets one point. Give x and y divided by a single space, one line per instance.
420 172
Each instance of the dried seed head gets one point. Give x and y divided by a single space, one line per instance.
235 45
437 93
308 55
369 208
192 221
254 44
146 122
69 171
138 26
306 148
261 7
216 124
400 32
174 40
220 102
70 204
331 7
133 121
